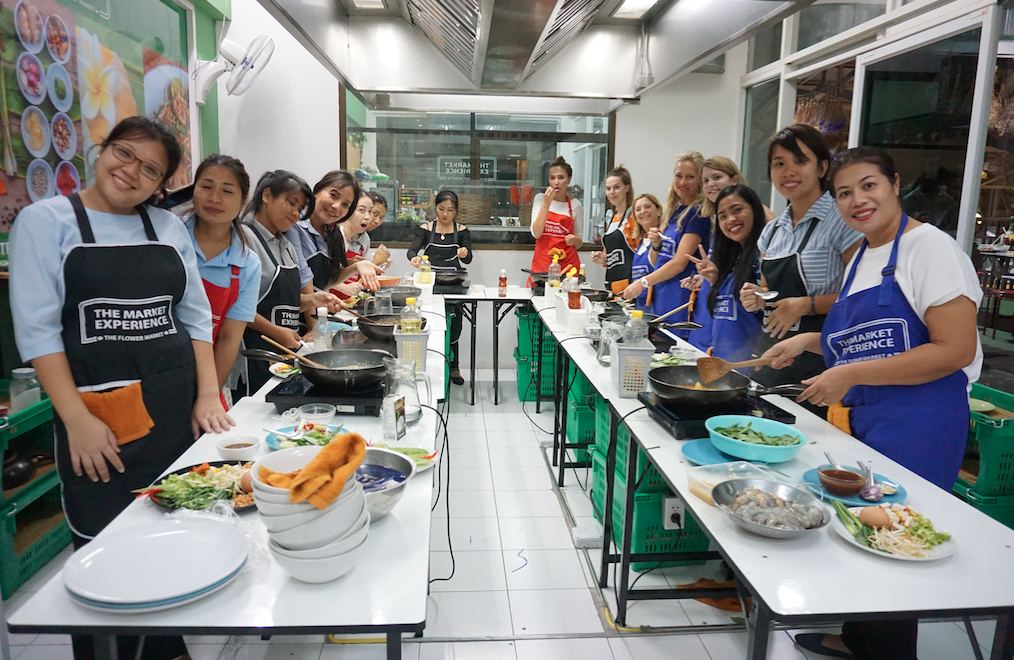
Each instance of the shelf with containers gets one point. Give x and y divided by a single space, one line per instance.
33 529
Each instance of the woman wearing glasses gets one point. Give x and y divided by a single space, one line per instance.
110 309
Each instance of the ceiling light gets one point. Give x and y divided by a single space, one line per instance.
634 8
368 4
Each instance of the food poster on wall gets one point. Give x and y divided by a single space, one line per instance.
40 142
167 99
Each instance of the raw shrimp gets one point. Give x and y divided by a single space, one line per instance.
756 506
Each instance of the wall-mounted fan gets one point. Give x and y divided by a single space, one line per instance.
242 64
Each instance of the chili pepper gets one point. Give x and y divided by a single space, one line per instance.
201 469
430 457
147 492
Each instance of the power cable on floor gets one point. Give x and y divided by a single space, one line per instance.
446 453
539 392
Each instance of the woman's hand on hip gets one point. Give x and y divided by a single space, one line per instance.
92 443
786 314
462 253
633 290
828 387
748 297
209 415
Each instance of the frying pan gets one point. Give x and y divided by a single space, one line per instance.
537 278
596 295
650 320
379 331
347 370
676 384
449 275
400 293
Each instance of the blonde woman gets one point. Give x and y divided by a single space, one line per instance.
718 174
682 231
648 213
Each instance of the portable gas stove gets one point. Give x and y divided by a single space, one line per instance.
687 424
297 391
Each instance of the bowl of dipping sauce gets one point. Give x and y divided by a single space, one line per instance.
841 481
238 447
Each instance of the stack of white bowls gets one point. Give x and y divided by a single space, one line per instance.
310 544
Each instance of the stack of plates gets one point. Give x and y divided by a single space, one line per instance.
155 566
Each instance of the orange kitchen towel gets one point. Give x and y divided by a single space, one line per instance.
322 481
276 479
838 415
727 604
122 410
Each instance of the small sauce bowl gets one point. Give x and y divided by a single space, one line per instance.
841 481
238 447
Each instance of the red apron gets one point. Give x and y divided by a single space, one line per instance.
554 236
354 278
221 299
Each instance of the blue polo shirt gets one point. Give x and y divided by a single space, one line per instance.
218 271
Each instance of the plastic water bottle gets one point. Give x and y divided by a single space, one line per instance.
25 389
322 332
501 289
411 317
635 331
425 271
573 293
554 272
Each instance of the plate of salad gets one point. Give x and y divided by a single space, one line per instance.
199 486
424 458
892 530
283 370
314 435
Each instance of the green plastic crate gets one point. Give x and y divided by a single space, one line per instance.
26 420
581 389
1000 508
528 372
993 441
17 568
580 429
530 327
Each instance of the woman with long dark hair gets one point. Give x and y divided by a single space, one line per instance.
558 223
350 273
734 261
109 309
619 239
334 200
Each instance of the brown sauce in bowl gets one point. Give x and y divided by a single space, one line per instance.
239 445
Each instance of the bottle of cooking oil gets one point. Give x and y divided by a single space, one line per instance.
411 317
554 272
425 271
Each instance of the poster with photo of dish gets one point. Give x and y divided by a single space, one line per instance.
41 151
167 99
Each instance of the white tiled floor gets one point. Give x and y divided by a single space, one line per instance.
518 576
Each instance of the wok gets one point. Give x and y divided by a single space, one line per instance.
377 330
400 293
596 295
676 384
537 278
449 276
653 325
347 370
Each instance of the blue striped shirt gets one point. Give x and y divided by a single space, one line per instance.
823 267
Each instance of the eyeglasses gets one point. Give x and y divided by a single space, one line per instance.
127 156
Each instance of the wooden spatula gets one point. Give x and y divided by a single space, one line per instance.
713 368
306 361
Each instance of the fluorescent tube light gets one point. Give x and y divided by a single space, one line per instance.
368 4
634 9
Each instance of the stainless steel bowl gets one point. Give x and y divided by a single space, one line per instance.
725 493
380 503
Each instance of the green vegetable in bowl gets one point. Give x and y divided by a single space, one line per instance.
666 360
747 434
60 88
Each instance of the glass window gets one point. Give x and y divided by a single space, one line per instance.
495 163
918 106
996 195
761 124
765 47
825 19
824 101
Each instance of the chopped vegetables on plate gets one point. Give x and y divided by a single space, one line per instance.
891 528
666 360
748 434
283 370
423 457
314 435
199 487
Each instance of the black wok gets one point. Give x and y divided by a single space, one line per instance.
401 293
537 278
347 370
449 276
596 295
676 384
380 327
650 319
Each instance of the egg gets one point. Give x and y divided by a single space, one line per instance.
875 517
246 482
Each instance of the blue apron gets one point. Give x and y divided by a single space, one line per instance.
734 330
923 427
670 294
641 267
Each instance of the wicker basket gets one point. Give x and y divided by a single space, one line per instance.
525 214
474 209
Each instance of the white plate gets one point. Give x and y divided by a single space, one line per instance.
56 71
44 127
29 58
68 153
38 163
31 46
155 606
978 405
69 167
66 56
283 370
155 562
419 468
945 549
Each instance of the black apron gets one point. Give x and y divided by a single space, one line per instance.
319 262
280 305
120 326
785 275
443 256
619 255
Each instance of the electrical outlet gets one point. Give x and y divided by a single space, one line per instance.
673 513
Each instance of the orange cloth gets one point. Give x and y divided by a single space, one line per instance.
727 604
122 410
838 415
323 479
619 286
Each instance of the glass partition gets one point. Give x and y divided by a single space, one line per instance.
761 124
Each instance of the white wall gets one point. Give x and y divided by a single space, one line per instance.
698 111
289 119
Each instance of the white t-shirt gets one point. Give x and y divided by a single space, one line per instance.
931 271
556 206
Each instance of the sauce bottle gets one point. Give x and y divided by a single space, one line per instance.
502 286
